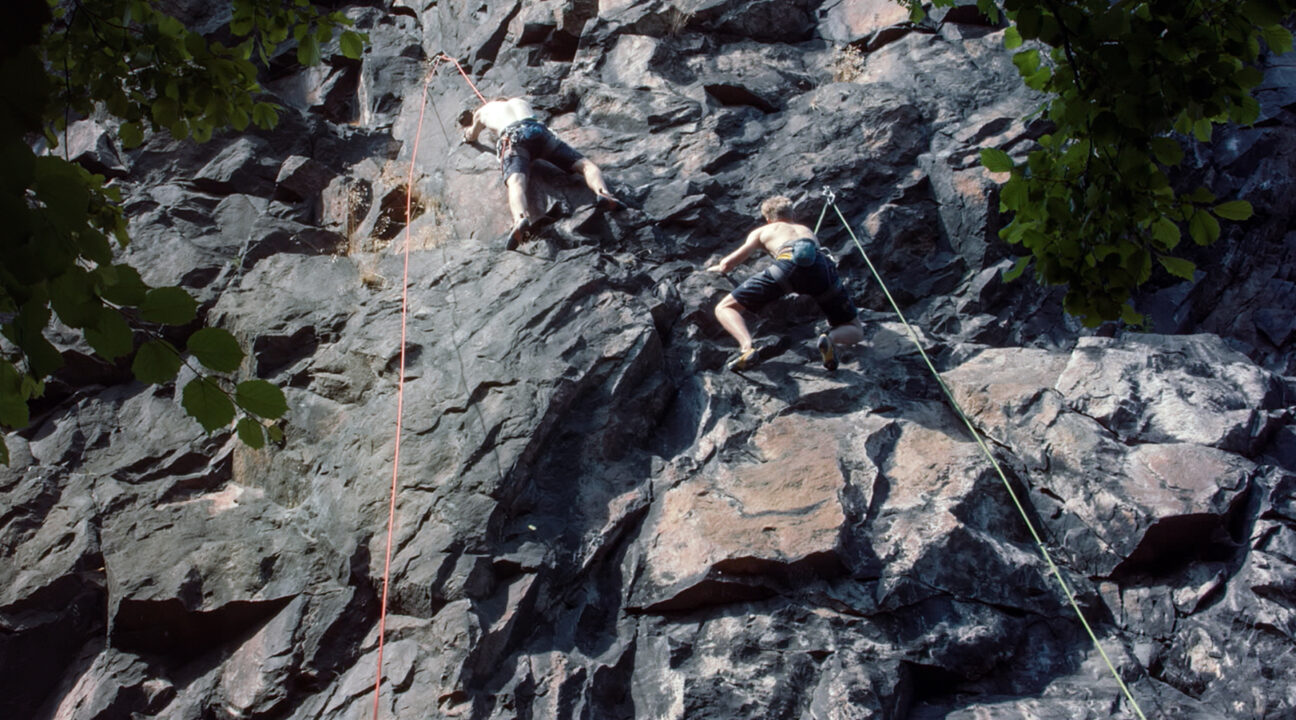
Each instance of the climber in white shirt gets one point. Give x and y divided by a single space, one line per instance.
521 139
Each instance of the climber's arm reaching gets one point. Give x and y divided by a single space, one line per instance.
474 128
744 251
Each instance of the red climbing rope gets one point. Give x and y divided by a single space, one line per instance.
465 76
400 395
400 380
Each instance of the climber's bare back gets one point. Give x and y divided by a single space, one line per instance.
499 114
777 234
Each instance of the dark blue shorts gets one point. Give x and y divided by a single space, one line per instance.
528 140
819 280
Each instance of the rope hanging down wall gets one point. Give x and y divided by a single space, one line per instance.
830 198
400 378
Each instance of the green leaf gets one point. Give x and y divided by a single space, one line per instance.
1028 21
217 349
15 390
110 336
1202 129
19 164
42 357
276 434
1167 151
195 45
265 116
989 9
1246 112
27 332
1017 269
94 246
166 112
351 44
996 160
1203 228
64 190
240 26
169 306
31 388
1177 266
308 52
1261 13
1012 38
207 403
1013 195
156 362
1238 210
1038 79
261 398
238 118
1248 77
1278 38
1130 316
202 131
72 297
1142 266
10 379
131 134
13 412
251 433
277 33
1166 233
169 26
121 285
1027 61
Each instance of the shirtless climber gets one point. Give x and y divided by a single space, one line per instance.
799 267
521 139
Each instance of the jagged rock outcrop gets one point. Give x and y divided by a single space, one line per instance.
594 520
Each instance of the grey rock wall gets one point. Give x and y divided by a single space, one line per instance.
594 520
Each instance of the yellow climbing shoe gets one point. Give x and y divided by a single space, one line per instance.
828 352
746 360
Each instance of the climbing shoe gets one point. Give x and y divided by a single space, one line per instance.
609 203
828 352
746 360
520 230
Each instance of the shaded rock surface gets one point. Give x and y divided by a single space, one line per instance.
594 520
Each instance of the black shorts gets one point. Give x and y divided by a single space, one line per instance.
819 280
528 140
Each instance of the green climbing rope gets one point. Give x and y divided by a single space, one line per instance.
830 199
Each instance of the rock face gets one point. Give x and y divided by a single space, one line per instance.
594 520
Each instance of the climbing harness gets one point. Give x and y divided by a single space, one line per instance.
780 276
830 198
803 252
522 131
400 378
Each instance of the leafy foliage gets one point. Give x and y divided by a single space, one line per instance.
1126 82
216 349
208 402
128 59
